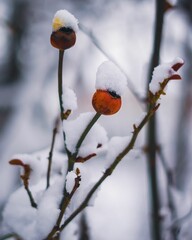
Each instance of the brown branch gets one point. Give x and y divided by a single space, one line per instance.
67 199
55 131
84 159
110 170
25 178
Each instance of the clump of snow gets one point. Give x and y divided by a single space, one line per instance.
19 216
59 163
70 181
109 77
31 223
63 18
48 208
162 72
74 128
69 99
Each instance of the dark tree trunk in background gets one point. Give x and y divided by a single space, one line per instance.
184 148
151 130
17 26
11 69
83 227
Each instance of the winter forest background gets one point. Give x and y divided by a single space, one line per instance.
124 32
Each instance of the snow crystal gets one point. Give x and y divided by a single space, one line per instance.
110 78
69 99
70 181
162 72
74 129
63 18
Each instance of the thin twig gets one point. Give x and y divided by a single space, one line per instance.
56 228
25 178
73 157
32 201
66 196
55 131
85 132
98 45
110 170
151 133
60 82
60 92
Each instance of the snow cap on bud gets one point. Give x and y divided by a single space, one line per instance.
109 77
64 28
110 85
63 18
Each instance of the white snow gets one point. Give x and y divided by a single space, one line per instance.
74 128
38 163
70 181
110 78
89 176
69 99
48 208
63 18
19 216
162 72
177 60
31 223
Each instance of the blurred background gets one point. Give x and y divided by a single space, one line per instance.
124 32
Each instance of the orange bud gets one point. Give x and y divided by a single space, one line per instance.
63 38
106 102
